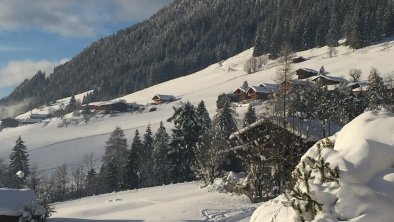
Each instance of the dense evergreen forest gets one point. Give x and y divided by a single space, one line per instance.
188 35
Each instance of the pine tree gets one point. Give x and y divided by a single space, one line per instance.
250 116
91 182
160 156
203 116
19 161
185 136
377 93
115 156
225 118
147 159
72 105
133 169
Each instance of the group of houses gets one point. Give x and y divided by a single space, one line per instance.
265 91
34 118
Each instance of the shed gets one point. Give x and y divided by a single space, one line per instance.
29 121
9 123
305 73
159 99
12 202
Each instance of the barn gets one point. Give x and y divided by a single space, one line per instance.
159 99
326 80
305 73
118 106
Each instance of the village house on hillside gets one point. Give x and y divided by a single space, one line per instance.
299 59
9 123
13 201
159 99
305 73
326 80
240 93
262 92
359 88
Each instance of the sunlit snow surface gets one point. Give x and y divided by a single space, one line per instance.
364 152
176 202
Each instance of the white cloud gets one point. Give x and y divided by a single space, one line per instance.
73 17
14 72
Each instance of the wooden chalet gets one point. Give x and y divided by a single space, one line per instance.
159 99
9 123
261 92
326 80
305 73
12 202
241 94
359 88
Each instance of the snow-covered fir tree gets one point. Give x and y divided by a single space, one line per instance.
185 135
203 116
146 158
225 117
162 163
132 174
19 161
377 93
114 158
250 116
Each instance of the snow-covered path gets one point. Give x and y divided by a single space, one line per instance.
176 202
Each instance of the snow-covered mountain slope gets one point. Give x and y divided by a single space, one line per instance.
51 146
364 153
176 202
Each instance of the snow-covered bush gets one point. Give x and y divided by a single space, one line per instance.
33 212
314 172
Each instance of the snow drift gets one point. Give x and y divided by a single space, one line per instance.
364 153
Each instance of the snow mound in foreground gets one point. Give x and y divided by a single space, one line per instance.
364 152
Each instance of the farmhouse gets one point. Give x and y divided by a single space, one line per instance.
9 123
358 88
12 202
159 99
326 80
305 73
240 94
261 92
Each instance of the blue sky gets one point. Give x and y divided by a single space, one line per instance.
41 34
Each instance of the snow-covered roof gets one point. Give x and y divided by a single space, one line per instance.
29 120
12 201
331 78
242 89
309 70
310 130
265 88
110 102
164 97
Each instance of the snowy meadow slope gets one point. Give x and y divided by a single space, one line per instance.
51 146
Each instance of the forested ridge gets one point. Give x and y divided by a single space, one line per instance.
189 35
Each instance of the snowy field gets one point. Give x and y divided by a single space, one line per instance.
50 146
176 202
